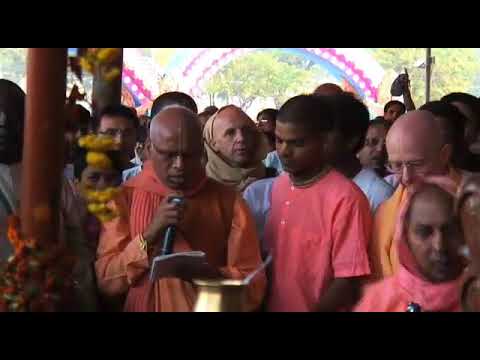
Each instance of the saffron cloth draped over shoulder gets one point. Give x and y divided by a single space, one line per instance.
217 222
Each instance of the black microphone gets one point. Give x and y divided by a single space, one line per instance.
167 247
413 307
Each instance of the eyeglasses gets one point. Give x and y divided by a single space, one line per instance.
117 132
396 167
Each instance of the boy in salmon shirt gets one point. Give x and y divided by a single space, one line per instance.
320 221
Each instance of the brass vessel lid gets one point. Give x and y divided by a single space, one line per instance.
218 283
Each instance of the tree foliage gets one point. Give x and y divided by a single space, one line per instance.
13 64
261 74
455 69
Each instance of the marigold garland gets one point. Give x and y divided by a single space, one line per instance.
99 160
35 278
101 62
100 143
97 200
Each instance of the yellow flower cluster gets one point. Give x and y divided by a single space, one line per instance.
97 200
97 146
99 143
111 74
98 203
103 196
107 55
100 62
99 160
86 65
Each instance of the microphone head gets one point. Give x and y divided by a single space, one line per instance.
176 200
413 307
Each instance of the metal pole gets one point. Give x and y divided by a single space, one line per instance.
428 75
43 148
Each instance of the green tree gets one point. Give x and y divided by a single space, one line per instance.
455 69
13 64
261 75
292 59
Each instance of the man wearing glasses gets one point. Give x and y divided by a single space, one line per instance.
416 148
122 123
212 218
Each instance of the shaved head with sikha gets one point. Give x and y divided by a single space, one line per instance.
416 147
176 148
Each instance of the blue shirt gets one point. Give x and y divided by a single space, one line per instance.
258 197
393 180
273 161
129 173
376 189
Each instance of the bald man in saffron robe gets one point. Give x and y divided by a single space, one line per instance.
416 148
214 219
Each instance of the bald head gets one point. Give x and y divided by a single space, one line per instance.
235 136
167 124
176 142
416 128
229 115
416 138
328 89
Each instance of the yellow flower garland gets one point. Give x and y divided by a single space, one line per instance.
107 55
99 143
98 203
101 62
99 160
97 200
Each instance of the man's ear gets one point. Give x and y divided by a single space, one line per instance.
214 146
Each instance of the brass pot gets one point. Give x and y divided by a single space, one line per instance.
220 296
468 208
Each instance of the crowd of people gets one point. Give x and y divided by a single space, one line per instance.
357 214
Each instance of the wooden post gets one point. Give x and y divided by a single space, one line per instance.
106 93
43 148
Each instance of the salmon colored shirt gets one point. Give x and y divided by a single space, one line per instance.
217 221
394 293
315 234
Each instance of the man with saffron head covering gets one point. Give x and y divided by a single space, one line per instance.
429 239
235 148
